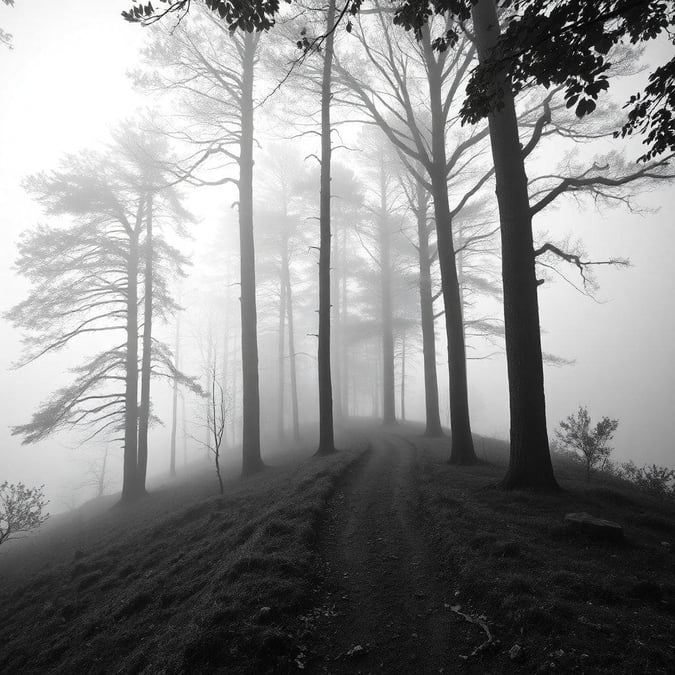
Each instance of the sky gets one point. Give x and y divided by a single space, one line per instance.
64 85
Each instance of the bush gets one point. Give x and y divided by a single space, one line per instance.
21 509
658 480
589 443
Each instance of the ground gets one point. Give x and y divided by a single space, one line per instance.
382 558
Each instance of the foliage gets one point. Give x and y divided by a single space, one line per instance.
590 443
21 509
552 43
659 480
5 37
567 43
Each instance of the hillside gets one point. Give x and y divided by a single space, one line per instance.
381 558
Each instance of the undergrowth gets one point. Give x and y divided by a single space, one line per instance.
571 603
205 588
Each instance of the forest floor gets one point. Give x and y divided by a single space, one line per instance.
382 558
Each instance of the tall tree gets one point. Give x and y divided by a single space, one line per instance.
326 431
90 286
415 120
212 71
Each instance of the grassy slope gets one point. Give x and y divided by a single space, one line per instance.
579 604
177 585
166 588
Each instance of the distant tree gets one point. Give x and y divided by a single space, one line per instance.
97 475
212 71
590 443
21 509
85 281
217 417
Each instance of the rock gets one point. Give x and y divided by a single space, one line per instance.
356 651
596 527
515 652
665 544
264 615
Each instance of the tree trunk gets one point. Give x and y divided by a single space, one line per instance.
433 416
388 379
336 327
146 358
461 451
174 402
403 374
326 437
342 345
251 459
185 431
530 460
100 488
130 469
281 348
210 348
291 359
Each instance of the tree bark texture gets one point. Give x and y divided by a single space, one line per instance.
251 459
174 401
530 460
461 451
281 374
388 379
146 357
131 368
433 427
326 434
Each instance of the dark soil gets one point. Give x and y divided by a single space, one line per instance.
382 607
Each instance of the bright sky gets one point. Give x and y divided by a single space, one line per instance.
62 87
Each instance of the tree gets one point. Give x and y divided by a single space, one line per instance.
411 103
85 277
21 509
213 71
568 43
551 42
217 417
530 463
590 443
326 432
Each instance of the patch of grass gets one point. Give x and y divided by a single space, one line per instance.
566 598
166 588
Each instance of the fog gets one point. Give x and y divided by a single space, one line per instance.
67 84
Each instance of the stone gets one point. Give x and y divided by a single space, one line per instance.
515 652
264 615
596 527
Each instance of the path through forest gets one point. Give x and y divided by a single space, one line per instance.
382 607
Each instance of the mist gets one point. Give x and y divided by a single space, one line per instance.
336 337
609 344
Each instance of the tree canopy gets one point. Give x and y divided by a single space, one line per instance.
550 43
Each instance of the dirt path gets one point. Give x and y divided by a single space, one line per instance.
381 609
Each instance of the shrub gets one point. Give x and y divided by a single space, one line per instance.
589 443
21 509
658 480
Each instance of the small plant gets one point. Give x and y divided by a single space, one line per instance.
21 509
659 480
589 443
